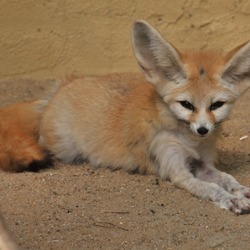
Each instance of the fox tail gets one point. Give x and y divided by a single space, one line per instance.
19 136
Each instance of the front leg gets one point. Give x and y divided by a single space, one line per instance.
205 170
209 173
171 159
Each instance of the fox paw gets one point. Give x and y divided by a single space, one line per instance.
243 192
238 205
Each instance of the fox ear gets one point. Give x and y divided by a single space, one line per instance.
156 57
236 72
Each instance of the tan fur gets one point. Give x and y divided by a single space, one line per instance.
127 118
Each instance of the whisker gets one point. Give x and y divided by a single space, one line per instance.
217 124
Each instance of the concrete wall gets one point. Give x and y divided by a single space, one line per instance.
51 38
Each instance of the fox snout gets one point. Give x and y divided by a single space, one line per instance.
202 131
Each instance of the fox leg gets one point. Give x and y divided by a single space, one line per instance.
172 161
207 172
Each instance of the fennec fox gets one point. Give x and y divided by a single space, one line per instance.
19 132
167 125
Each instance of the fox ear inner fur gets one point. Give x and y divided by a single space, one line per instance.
236 72
157 58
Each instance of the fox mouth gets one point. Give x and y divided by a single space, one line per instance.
202 136
187 125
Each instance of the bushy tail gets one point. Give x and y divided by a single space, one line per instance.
19 133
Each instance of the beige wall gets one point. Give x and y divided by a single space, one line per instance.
51 38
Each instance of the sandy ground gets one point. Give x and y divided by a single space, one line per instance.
74 207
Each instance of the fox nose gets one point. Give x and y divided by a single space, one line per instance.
202 130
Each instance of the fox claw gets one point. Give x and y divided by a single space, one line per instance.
240 205
236 204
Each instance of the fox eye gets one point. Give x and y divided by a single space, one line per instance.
216 105
187 105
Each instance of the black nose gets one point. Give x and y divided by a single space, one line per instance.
202 130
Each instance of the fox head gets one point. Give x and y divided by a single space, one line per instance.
199 88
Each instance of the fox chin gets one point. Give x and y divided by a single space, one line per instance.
165 121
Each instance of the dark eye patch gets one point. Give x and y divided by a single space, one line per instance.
187 105
216 105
